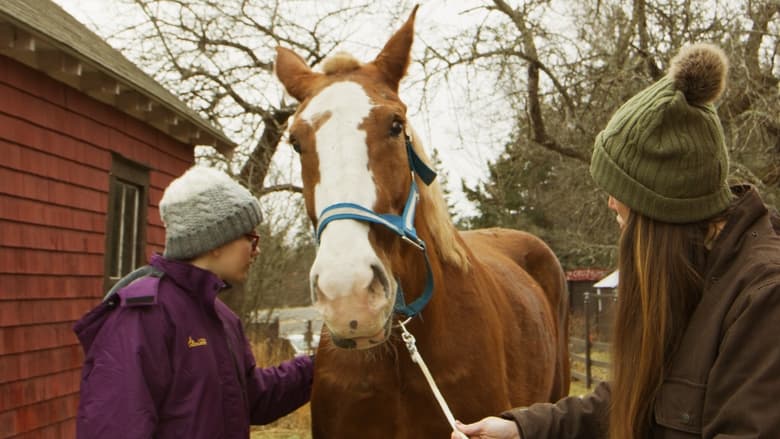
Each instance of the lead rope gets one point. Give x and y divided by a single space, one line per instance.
408 338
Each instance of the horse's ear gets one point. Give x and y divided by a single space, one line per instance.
393 60
294 73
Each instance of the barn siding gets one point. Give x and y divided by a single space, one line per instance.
25 365
56 148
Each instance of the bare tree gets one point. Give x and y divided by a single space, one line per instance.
559 68
218 57
564 67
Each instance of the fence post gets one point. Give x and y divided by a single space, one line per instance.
586 307
308 337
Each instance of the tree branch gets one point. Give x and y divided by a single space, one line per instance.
281 188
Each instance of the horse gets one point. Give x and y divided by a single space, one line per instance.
487 308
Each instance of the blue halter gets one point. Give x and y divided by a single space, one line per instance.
402 225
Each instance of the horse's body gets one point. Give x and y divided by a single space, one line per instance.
494 333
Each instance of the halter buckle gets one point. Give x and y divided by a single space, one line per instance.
413 242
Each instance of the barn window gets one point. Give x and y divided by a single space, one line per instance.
126 224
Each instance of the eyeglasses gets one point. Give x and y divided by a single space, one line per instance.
254 238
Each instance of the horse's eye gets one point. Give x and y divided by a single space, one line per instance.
397 128
295 144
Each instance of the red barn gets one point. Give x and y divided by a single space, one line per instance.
581 281
87 144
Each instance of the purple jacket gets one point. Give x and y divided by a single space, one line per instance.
167 359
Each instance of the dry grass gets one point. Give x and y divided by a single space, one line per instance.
577 388
280 433
597 373
269 352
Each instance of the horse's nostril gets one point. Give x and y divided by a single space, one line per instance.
353 324
379 276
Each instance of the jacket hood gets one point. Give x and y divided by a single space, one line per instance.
87 327
748 213
193 280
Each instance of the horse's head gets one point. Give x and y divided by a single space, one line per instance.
350 131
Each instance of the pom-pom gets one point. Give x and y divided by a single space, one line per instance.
699 71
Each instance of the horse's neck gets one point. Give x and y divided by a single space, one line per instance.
410 269
449 262
413 275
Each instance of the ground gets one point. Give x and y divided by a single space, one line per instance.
281 433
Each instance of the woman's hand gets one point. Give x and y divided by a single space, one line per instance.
489 428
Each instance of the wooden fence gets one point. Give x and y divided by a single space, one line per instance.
300 325
582 349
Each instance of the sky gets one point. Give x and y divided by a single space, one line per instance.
466 137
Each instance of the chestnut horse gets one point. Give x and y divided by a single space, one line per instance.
489 306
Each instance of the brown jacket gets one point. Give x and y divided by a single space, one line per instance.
724 381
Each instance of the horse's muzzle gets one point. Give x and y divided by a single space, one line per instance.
363 342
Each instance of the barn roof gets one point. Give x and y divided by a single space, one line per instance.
43 36
586 274
610 281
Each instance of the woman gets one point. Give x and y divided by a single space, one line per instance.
165 358
696 347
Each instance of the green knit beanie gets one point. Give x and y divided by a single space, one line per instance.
663 154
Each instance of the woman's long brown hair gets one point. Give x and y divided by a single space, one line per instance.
660 284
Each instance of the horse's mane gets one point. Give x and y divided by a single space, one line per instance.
341 62
443 231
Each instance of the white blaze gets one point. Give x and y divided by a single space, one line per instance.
345 256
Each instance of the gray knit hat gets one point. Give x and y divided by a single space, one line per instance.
663 152
204 209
